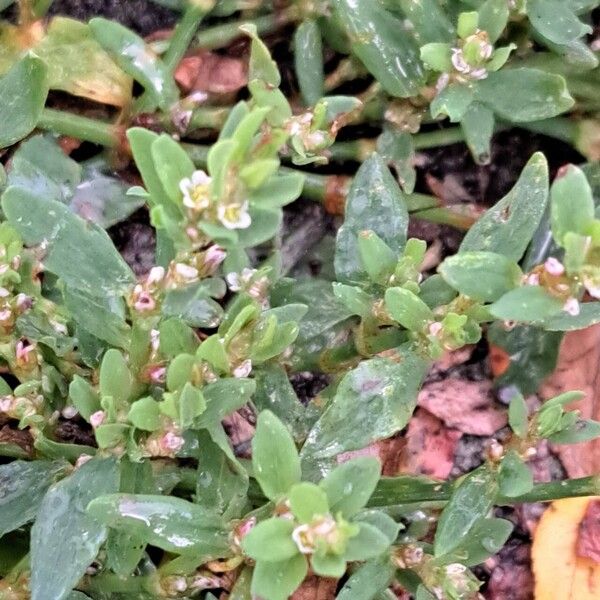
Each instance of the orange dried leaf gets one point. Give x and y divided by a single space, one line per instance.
559 573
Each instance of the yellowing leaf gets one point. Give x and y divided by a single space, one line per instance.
76 62
559 573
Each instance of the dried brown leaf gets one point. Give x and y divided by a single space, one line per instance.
210 72
578 368
430 446
588 539
316 588
464 405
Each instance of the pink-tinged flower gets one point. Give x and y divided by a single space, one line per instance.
593 291
6 403
571 306
97 418
213 257
459 62
68 412
171 442
442 82
532 279
186 271
22 351
435 328
157 373
235 215
156 275
144 302
23 302
4 293
554 267
243 369
5 315
196 191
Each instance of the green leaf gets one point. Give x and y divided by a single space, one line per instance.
145 414
193 305
170 523
486 538
368 543
271 540
369 580
350 485
97 315
523 95
115 378
429 19
172 165
378 259
274 456
262 66
526 304
23 92
437 56
308 57
379 40
274 392
42 168
555 20
132 55
483 276
22 488
221 482
84 397
571 203
477 124
453 101
471 501
98 270
582 431
589 314
355 299
59 561
278 580
328 565
518 416
493 17
509 225
407 309
374 203
372 402
515 477
223 397
307 501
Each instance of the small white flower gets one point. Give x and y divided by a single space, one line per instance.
156 275
83 458
233 281
186 271
23 301
154 339
196 190
243 369
554 267
68 412
144 302
234 216
97 418
5 315
532 279
571 306
300 536
4 292
593 291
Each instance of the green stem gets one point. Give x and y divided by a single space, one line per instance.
82 128
438 137
392 491
220 36
183 36
458 216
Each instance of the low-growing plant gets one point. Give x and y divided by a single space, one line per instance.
152 501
